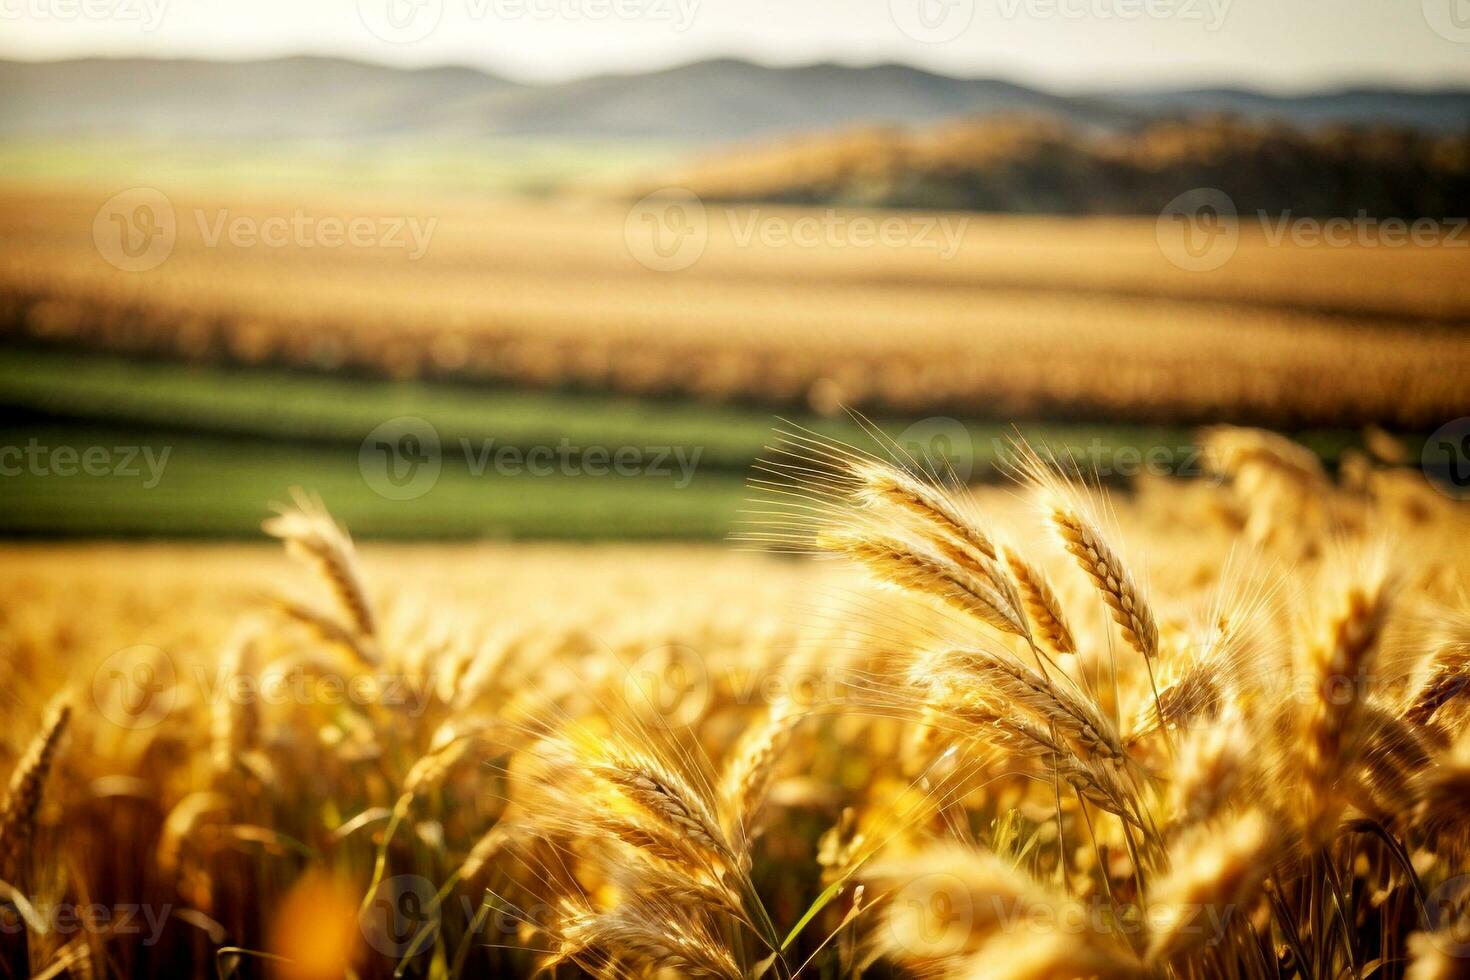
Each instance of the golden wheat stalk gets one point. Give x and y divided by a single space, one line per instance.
943 526
74 960
1042 605
429 770
880 483
664 796
1005 681
747 775
1447 679
910 567
312 537
675 882
651 934
1339 661
234 715
27 784
1098 781
1195 694
1110 577
1394 752
362 648
1102 786
566 798
653 838
490 844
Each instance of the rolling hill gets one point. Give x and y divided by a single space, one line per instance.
316 98
1024 164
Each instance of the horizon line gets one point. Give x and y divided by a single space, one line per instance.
1343 85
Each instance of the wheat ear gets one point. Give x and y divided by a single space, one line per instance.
915 569
929 505
747 775
1111 579
27 783
181 822
1008 682
649 934
1341 654
314 538
675 882
1042 605
234 721
1098 781
1394 752
666 798
330 631
1448 679
1193 694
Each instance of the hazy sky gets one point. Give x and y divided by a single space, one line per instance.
1065 44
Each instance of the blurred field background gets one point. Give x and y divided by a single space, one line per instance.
1026 284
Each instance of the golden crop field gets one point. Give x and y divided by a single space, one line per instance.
965 314
1213 728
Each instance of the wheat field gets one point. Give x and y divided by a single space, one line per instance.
1208 728
967 315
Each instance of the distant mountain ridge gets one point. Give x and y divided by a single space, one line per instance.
711 101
